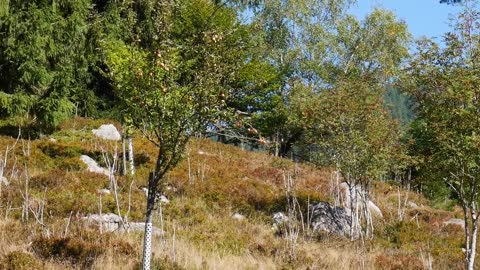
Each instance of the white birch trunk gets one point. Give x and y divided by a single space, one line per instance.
124 157
130 155
473 244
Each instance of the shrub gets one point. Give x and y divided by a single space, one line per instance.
398 262
56 150
73 250
18 260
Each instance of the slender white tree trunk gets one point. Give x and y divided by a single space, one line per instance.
124 157
473 244
353 217
130 155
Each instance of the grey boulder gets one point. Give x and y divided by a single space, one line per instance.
329 219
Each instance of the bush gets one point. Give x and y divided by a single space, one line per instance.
398 262
56 150
18 260
73 250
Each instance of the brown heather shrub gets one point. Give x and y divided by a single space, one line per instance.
398 261
18 260
404 235
73 250
51 179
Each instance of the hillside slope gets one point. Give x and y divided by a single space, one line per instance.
47 191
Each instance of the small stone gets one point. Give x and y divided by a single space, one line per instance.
279 219
103 191
413 205
238 216
163 200
4 181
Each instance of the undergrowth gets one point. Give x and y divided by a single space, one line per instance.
49 192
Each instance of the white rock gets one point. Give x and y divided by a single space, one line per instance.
92 165
109 222
107 132
279 218
455 221
113 223
164 200
238 216
103 191
374 209
413 205
110 217
52 140
4 181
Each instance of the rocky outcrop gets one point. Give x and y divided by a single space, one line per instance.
324 218
329 219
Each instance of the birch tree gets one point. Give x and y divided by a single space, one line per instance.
171 85
446 84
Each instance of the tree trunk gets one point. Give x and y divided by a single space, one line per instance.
130 155
352 213
124 157
471 251
147 241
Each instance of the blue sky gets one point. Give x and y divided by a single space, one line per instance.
424 17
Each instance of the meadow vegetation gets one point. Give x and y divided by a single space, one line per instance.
49 192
